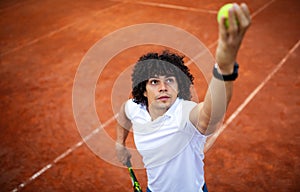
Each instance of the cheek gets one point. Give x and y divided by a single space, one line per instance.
149 92
175 88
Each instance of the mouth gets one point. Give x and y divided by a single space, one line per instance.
163 98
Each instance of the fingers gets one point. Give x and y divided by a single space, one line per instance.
222 28
124 158
231 37
239 19
123 154
243 17
246 11
233 22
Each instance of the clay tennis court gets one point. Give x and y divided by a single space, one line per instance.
43 44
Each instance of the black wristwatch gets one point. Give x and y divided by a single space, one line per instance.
230 77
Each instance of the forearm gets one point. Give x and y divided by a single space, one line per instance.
123 153
123 126
122 135
215 104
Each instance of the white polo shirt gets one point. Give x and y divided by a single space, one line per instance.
171 147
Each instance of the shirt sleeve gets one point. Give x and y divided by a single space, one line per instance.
188 125
131 109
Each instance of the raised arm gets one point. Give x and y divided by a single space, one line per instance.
123 128
206 116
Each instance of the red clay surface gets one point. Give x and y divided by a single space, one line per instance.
43 43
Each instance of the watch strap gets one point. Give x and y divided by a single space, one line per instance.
230 77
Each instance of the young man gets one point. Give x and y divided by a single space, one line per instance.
170 130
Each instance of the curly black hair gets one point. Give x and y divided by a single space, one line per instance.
164 64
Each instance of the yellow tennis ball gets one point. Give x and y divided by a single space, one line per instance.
224 12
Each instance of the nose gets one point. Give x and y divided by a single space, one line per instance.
163 87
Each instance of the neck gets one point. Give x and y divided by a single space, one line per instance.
156 112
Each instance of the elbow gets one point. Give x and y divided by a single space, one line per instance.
208 123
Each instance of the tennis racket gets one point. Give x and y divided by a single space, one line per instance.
135 183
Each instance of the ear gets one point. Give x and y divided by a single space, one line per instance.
145 94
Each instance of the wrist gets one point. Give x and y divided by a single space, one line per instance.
225 70
226 74
120 144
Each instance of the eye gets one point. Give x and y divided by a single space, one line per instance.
153 82
170 80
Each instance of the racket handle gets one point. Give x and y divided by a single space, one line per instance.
135 183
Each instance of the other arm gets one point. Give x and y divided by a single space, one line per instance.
123 128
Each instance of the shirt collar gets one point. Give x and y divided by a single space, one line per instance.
170 113
171 110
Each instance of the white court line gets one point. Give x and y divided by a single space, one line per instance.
262 8
212 138
36 39
169 6
33 41
178 7
64 154
80 143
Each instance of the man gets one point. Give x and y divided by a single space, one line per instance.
170 130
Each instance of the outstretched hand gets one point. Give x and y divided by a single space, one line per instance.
230 38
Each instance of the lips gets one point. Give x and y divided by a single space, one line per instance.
164 97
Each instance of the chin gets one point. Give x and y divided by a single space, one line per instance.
165 105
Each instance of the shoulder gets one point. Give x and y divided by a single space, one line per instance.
131 108
181 107
190 111
183 114
188 104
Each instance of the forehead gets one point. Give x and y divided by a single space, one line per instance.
162 76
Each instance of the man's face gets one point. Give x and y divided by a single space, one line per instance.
161 92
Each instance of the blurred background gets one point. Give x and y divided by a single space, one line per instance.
43 44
